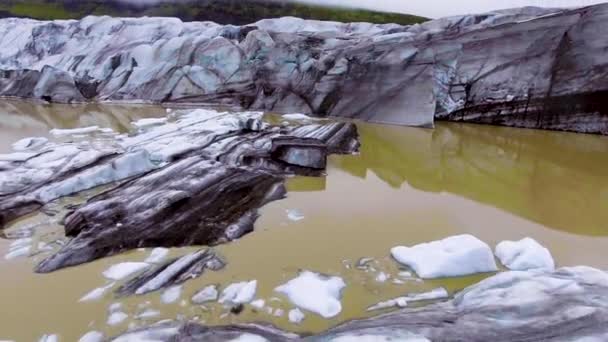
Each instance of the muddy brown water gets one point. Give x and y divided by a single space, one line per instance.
407 186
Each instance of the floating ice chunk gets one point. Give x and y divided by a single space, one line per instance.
296 316
523 255
143 123
157 255
278 312
49 338
451 257
295 215
92 336
155 334
258 303
249 338
405 274
149 313
124 269
382 277
115 307
116 318
84 130
239 293
19 248
298 117
438 293
314 292
171 295
29 143
96 294
205 295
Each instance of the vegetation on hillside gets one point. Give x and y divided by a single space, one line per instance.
237 12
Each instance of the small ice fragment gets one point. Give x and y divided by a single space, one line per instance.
143 123
297 117
382 277
451 257
314 292
18 252
524 255
29 143
117 318
295 215
438 293
278 312
92 336
149 313
114 307
405 274
157 255
84 130
249 338
49 338
171 295
95 294
124 269
296 316
207 294
239 293
258 304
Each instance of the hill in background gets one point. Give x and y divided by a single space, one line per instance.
237 12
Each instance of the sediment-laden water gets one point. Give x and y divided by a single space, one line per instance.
407 185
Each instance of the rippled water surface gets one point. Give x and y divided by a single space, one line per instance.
407 186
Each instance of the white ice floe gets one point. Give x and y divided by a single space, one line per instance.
296 316
92 336
523 255
29 143
239 293
124 269
157 255
49 338
96 294
143 123
438 293
84 130
116 318
248 338
17 252
258 304
207 294
314 292
451 257
295 215
297 117
148 313
172 294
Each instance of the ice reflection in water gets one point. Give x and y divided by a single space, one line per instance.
407 186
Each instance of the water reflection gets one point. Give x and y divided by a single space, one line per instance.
555 179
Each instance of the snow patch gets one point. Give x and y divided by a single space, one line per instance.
314 292
451 257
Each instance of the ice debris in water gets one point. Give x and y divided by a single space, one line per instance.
49 338
84 130
172 294
296 316
438 293
157 255
297 117
382 277
143 123
258 303
92 336
96 294
249 338
148 313
19 248
29 143
314 292
124 269
523 255
239 293
295 215
451 257
379 338
207 294
116 318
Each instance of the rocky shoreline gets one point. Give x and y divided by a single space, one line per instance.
529 67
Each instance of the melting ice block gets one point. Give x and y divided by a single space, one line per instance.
451 257
525 254
314 292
